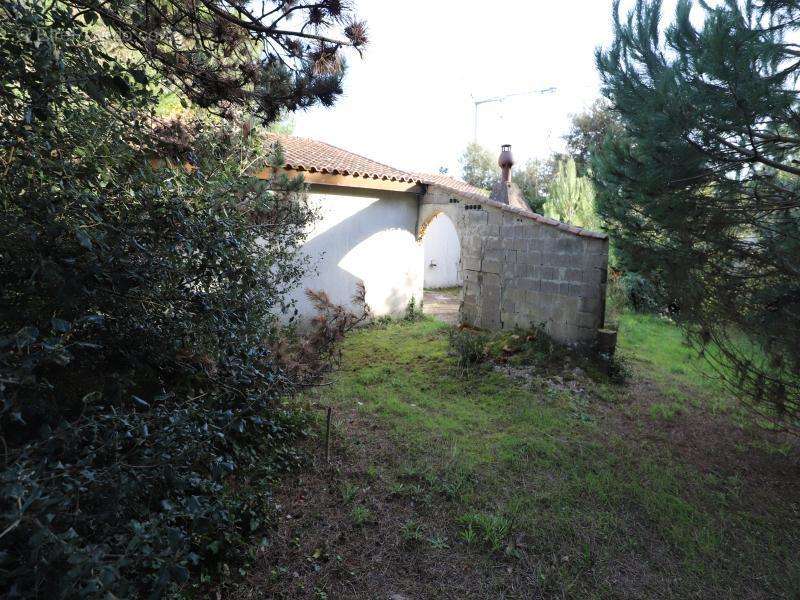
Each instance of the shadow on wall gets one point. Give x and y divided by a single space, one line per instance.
363 238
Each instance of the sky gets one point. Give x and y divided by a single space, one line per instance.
409 101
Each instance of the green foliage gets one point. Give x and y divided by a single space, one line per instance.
571 197
479 167
414 311
349 492
136 315
590 494
634 291
469 347
361 515
534 180
701 190
411 531
139 393
492 530
587 132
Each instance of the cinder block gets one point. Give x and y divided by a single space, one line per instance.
533 256
492 243
574 275
531 285
507 230
471 263
491 266
589 320
550 287
589 304
570 289
548 273
495 217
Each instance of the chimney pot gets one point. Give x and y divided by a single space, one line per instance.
506 161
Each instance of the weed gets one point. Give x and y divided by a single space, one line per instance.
469 348
493 529
438 542
360 515
349 492
409 471
383 321
414 312
468 535
510 460
412 531
397 489
664 411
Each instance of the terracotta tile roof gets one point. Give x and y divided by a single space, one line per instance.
452 183
304 154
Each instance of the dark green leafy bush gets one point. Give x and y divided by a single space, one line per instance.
636 292
142 410
138 388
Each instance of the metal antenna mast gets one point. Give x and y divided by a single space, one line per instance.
477 103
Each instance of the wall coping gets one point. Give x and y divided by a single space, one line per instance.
524 214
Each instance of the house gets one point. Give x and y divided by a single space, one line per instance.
398 232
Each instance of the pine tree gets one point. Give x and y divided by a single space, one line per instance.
570 197
701 190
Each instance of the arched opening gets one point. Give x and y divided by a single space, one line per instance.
442 250
442 268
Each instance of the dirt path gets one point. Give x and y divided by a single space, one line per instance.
443 304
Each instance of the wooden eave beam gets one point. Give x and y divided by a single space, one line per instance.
406 187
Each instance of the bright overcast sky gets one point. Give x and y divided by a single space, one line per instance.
408 102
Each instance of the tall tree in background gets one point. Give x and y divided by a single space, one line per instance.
703 189
588 130
479 167
570 197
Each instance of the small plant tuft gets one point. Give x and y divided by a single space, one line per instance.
414 311
469 348
412 531
361 516
349 492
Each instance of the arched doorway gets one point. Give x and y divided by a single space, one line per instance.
443 275
442 251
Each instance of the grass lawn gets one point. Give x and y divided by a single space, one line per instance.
497 484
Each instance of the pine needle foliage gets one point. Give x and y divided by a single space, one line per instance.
701 190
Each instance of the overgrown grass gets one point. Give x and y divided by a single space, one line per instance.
551 481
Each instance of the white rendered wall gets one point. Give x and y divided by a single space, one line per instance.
368 236
442 254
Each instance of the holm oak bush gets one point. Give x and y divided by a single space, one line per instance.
136 376
142 411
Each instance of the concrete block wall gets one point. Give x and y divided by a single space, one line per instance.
521 269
